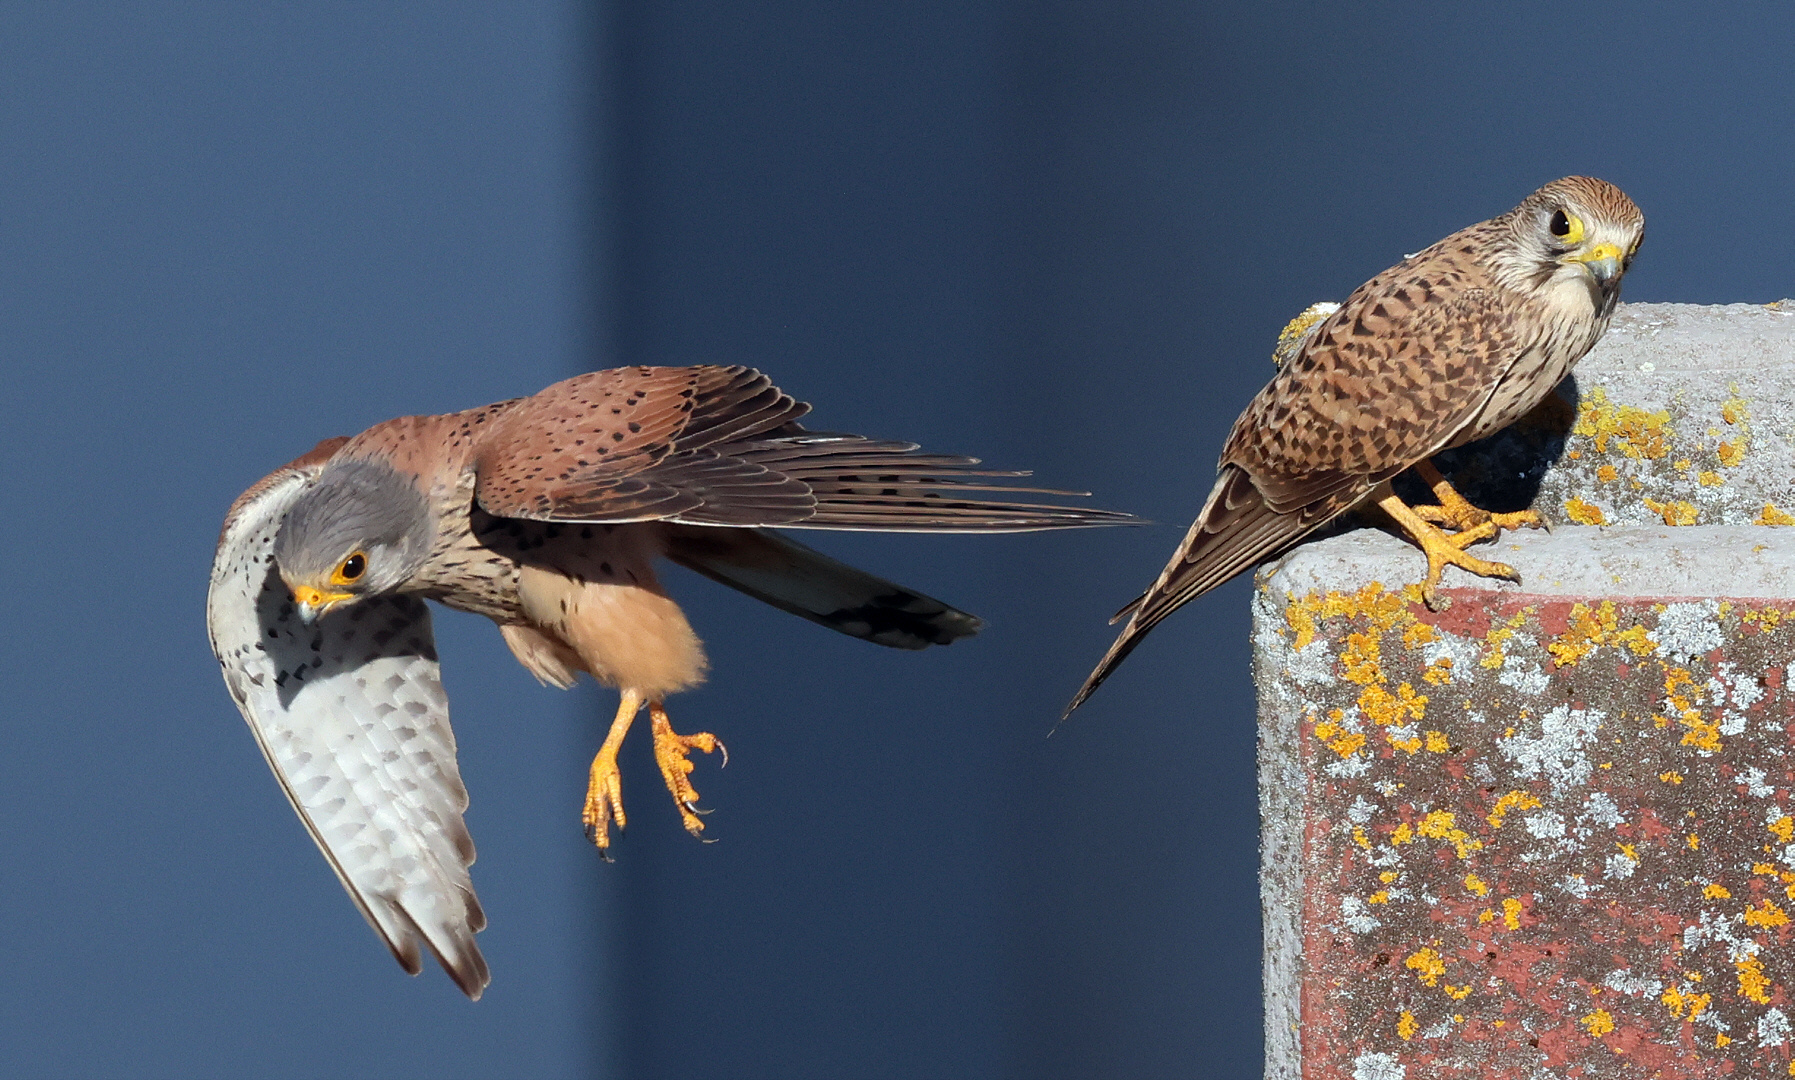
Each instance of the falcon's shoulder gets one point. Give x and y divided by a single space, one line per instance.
609 445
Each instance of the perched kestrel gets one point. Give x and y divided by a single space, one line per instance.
1445 347
546 515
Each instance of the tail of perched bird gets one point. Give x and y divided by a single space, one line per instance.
784 573
1236 529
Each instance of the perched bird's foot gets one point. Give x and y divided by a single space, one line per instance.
604 787
1456 512
670 751
1443 551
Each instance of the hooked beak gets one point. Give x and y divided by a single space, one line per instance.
315 602
1602 261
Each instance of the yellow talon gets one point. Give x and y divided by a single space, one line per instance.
1457 512
1443 550
604 786
670 752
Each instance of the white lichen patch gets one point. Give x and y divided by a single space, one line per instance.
1361 810
1687 631
1355 917
1523 675
1599 811
1626 982
1378 1066
1578 886
1773 1027
1545 825
1619 867
1753 779
1559 752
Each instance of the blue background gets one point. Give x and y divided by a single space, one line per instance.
1060 236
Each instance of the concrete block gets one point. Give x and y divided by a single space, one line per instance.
1682 415
1549 831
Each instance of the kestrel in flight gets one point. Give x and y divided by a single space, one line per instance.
1445 347
546 514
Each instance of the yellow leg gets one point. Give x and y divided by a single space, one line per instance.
604 790
1457 512
670 750
1442 550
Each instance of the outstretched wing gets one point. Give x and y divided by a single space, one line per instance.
351 715
722 446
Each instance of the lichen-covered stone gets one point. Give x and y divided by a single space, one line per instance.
1547 832
1682 415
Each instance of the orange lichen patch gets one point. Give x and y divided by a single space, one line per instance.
1702 734
1682 465
1607 474
1765 619
1457 993
1341 742
1359 837
1404 834
1627 850
1511 913
1734 410
1716 891
1379 897
1635 638
1709 479
1427 966
1476 885
1753 983
1673 513
1766 915
1598 1023
1672 777
1442 825
1731 453
1695 842
1438 673
1419 634
1406 1026
1494 657
1763 868
1514 800
1486 915
1585 513
1380 608
1686 1006
1384 708
1770 515
1639 434
1783 828
1437 742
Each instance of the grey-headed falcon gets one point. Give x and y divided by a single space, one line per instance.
546 514
1445 347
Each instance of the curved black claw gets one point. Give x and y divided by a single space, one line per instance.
694 808
724 764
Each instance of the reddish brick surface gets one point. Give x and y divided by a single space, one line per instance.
1545 833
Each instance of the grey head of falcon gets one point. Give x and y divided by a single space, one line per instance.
547 514
1450 345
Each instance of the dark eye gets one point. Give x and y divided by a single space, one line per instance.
352 567
1561 225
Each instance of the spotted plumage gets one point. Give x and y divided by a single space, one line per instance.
547 515
1449 345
